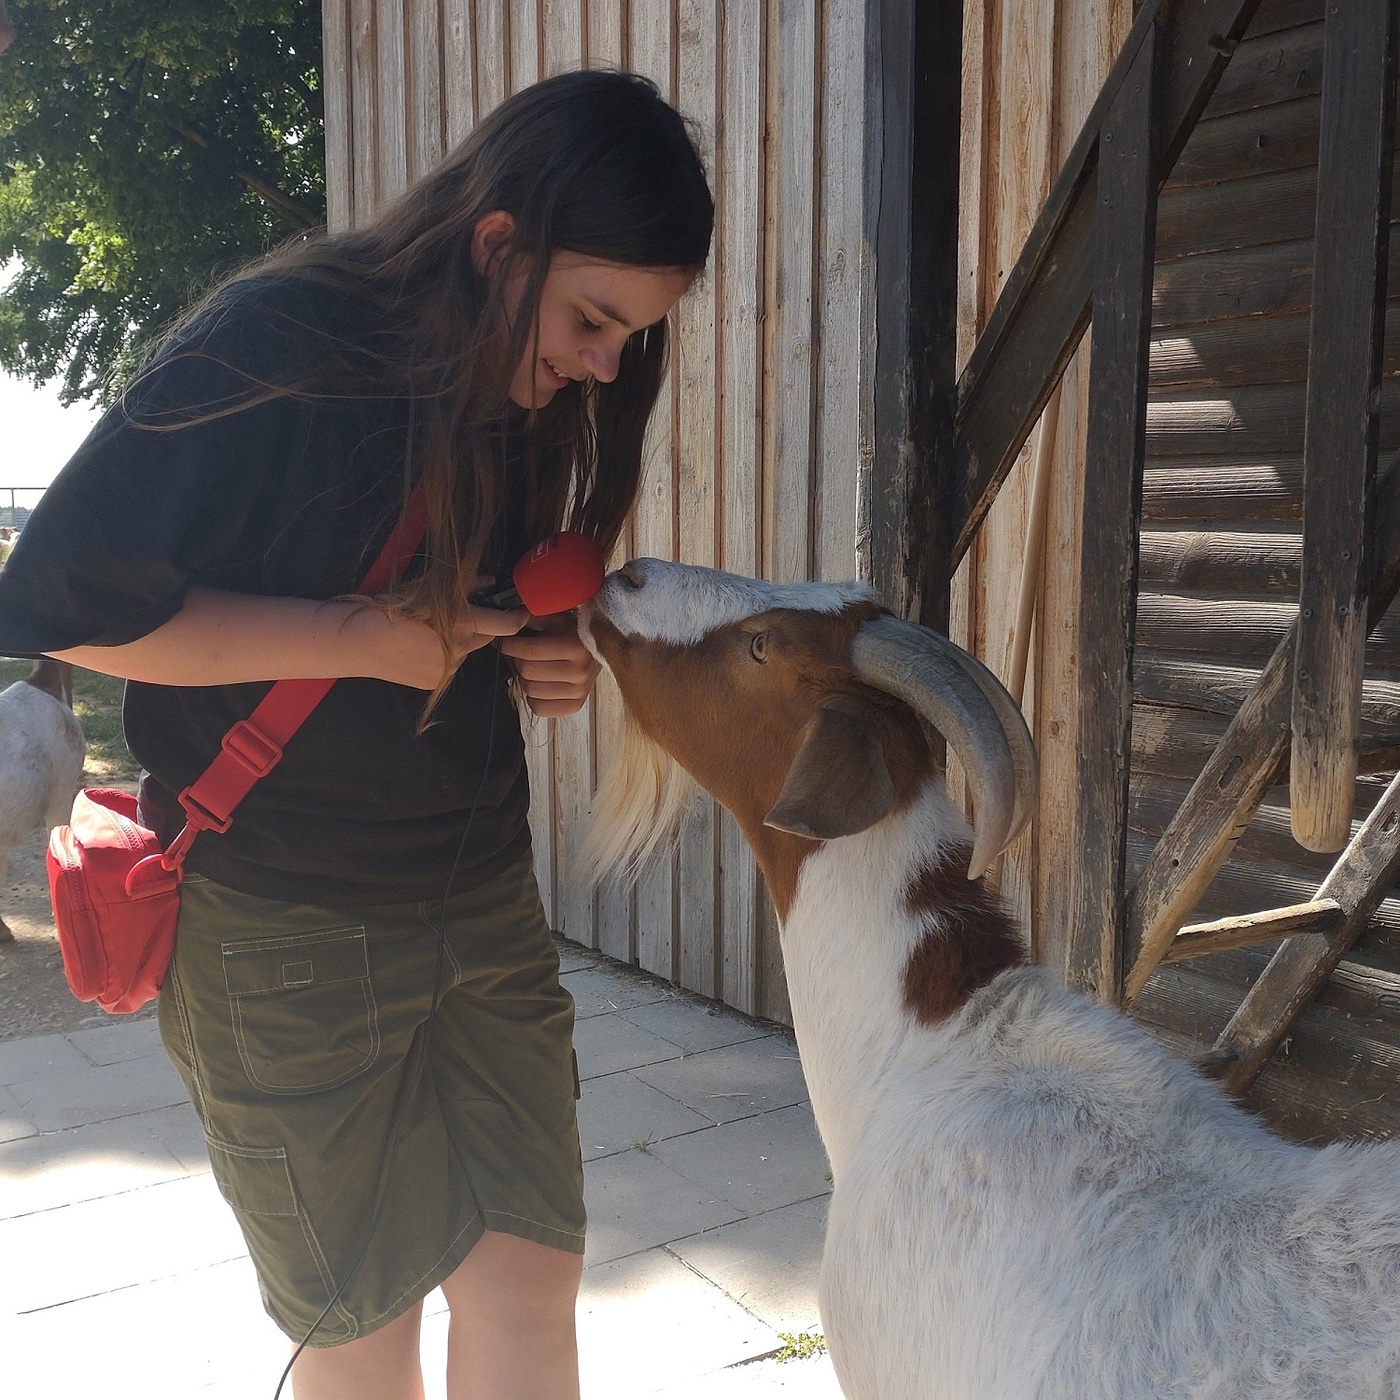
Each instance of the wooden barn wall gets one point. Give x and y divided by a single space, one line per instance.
754 451
1031 71
1221 544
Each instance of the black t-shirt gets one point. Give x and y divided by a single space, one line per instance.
291 497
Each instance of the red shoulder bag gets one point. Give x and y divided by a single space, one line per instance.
116 893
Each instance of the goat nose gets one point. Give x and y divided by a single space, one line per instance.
632 575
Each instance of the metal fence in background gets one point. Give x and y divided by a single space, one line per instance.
17 502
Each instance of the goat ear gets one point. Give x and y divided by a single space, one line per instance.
838 783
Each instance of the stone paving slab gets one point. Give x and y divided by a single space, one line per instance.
597 990
15 1123
86 1163
768 1263
758 1164
606 1044
649 1317
36 1055
635 1203
694 1024
735 1081
116 1242
617 1112
69 1098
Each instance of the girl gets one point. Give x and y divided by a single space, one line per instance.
498 336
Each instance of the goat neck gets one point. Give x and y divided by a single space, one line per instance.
884 941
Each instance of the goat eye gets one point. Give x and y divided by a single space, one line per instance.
759 646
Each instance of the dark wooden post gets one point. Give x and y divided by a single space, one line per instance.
1126 211
913 217
1356 155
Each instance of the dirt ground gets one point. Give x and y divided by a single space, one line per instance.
34 998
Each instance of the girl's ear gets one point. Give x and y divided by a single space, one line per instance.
490 238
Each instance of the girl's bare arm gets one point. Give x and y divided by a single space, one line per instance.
221 638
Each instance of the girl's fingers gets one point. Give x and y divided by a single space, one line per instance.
492 622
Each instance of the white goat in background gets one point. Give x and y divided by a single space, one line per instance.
1034 1200
41 757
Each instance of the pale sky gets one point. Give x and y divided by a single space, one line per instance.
37 434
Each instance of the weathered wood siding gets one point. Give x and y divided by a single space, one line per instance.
755 448
1031 72
1221 549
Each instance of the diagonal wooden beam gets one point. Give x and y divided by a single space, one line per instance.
1358 882
1044 307
1225 796
1342 435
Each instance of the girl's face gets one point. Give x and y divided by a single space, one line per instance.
588 308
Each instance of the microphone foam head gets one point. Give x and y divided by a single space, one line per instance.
559 573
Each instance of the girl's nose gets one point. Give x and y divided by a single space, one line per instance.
603 364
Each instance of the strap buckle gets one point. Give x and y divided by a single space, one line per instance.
250 748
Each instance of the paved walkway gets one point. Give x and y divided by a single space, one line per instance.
122 1273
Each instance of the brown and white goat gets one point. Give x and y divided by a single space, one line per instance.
1033 1200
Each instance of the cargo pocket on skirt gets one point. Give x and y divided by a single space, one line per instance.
292 1269
303 1009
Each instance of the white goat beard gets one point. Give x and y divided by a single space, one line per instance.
638 809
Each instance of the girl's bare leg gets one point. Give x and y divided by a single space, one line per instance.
382 1365
512 1329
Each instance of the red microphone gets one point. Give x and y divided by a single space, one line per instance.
557 574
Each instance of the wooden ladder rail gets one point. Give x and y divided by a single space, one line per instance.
1089 256
1245 764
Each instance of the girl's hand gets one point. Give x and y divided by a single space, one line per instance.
556 670
410 652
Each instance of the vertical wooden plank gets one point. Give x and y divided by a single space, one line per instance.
563 35
699 911
605 38
1026 141
844 315
605 46
394 98
1122 317
459 71
340 131
1090 37
526 50
737 268
1356 156
658 948
364 97
425 95
791 233
492 36
574 773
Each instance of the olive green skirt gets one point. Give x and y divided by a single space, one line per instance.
303 1037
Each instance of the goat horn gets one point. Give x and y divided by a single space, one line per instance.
962 699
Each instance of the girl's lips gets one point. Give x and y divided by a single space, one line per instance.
555 378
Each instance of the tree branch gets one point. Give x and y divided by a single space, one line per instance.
291 209
7 29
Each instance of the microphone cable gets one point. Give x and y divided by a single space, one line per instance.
410 1083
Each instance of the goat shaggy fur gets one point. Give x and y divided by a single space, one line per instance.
41 759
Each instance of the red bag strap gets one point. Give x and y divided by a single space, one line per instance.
253 747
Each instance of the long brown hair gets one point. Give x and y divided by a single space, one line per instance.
595 163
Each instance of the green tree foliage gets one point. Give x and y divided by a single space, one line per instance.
147 147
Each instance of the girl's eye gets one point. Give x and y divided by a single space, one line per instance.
759 646
587 324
